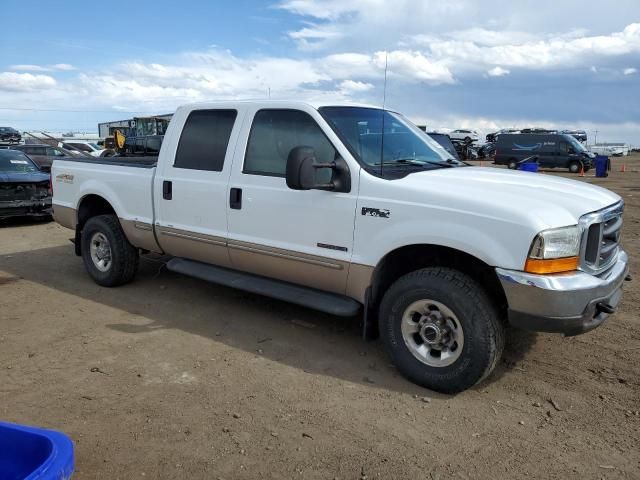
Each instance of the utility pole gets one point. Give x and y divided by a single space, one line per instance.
595 137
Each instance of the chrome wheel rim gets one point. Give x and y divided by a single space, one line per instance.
100 251
432 333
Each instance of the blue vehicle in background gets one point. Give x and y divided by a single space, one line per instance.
554 150
25 190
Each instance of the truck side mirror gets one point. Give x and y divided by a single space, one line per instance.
303 171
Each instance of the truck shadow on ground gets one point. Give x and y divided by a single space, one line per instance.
298 337
24 221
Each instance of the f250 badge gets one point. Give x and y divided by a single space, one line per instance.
376 212
64 178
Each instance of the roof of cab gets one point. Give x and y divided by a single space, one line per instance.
275 103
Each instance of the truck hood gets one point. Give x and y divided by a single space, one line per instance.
550 201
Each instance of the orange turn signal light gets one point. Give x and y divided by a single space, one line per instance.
551 265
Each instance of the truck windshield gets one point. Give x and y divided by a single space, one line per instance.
399 145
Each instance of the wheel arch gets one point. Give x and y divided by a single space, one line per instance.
406 259
92 205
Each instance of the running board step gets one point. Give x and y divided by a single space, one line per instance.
307 297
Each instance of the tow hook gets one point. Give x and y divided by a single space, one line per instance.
605 308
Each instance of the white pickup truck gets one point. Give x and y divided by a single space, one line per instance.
350 209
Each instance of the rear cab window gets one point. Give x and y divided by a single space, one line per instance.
204 140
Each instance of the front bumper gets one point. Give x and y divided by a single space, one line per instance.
571 303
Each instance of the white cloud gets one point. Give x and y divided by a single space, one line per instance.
24 82
461 35
414 65
556 51
353 87
498 72
629 71
219 74
62 67
28 68
42 68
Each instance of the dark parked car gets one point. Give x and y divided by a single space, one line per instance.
538 130
9 136
492 137
552 151
445 142
24 188
466 150
579 135
487 150
43 155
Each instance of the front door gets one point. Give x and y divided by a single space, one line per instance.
190 192
301 236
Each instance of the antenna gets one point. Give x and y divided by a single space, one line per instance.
384 103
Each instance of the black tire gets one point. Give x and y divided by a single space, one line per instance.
574 166
124 257
513 164
467 139
483 331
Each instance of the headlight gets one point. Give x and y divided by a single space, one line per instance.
553 251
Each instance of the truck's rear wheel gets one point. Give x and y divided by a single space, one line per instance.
440 329
107 254
513 164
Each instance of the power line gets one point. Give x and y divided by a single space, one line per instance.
72 111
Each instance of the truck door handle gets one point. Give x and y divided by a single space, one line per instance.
167 190
235 198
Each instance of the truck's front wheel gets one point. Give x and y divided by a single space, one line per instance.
441 329
107 254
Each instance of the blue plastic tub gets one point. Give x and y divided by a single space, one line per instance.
529 167
602 165
28 453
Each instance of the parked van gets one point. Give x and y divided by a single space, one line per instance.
552 150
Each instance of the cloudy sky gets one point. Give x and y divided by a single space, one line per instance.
459 63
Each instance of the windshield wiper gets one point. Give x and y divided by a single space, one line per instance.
419 163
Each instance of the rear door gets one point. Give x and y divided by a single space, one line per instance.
301 236
549 153
190 189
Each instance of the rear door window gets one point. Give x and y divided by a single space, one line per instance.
204 140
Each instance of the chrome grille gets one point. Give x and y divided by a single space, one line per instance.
601 238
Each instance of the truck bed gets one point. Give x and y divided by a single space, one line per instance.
124 182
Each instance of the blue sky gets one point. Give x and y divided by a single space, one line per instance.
459 63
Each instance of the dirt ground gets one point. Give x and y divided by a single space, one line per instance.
171 377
